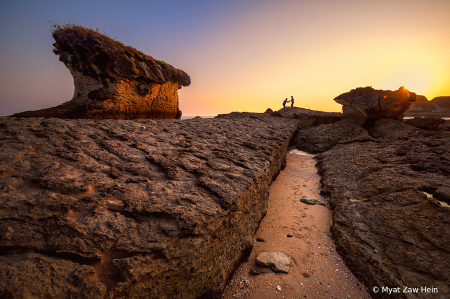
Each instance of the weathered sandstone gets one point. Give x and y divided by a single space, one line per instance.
113 81
368 104
278 261
132 209
391 207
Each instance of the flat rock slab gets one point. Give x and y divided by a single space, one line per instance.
132 208
278 261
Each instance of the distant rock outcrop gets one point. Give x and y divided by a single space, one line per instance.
132 208
113 81
368 104
443 102
438 107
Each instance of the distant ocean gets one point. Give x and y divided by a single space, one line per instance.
410 117
202 116
189 117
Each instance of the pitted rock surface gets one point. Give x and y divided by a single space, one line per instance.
113 81
391 206
368 104
132 209
320 138
427 123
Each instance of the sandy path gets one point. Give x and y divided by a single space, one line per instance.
317 271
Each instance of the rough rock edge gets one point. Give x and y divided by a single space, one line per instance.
388 232
78 271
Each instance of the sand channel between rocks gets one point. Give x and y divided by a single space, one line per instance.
302 231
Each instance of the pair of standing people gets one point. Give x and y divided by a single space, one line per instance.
286 101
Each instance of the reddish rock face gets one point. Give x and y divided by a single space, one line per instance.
368 104
113 81
132 208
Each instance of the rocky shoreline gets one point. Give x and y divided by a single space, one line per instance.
168 208
99 201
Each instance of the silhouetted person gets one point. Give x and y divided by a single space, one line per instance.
284 103
292 102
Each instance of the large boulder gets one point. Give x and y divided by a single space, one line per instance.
368 104
391 208
132 208
113 81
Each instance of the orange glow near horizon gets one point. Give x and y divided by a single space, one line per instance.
244 55
316 68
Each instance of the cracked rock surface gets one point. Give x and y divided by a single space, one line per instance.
132 209
391 206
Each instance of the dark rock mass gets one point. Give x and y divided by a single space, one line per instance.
368 104
113 81
390 199
307 117
427 123
132 208
318 139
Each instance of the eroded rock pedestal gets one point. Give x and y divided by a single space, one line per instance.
113 81
132 209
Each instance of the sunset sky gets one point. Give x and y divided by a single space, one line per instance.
241 55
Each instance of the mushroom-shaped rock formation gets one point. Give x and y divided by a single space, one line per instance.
113 81
368 104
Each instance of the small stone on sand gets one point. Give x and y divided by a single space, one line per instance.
278 261
312 201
